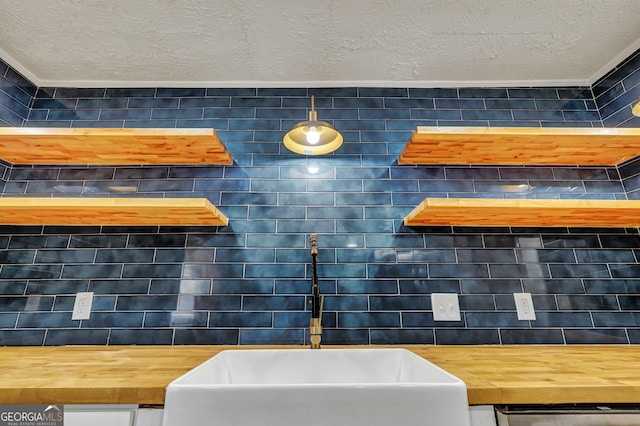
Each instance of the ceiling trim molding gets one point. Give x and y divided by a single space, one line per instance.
21 69
313 84
613 63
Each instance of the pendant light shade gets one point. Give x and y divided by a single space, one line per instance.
312 137
636 109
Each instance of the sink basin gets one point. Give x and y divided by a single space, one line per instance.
287 387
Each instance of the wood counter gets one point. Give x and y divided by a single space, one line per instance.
493 374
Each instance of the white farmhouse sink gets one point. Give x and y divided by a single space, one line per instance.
337 387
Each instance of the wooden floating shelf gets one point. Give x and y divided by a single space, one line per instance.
33 145
110 211
521 146
529 212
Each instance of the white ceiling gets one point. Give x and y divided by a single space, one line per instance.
301 43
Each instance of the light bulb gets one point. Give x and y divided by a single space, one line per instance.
313 137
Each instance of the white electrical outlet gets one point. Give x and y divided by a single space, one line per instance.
445 307
82 306
524 306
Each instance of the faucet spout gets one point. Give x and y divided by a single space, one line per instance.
317 301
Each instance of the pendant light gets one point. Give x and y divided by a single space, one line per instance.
636 109
313 137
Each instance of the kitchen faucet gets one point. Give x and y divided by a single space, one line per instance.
317 301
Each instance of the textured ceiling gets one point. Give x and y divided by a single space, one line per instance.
316 42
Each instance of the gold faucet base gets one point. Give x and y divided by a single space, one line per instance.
315 333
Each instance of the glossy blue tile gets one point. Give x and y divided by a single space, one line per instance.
366 256
209 303
445 241
367 287
273 303
616 319
125 114
182 286
620 241
382 91
402 336
150 302
156 240
213 240
203 336
435 114
629 302
154 103
8 320
38 242
634 336
141 270
475 114
458 270
334 213
399 303
141 337
56 286
261 102
292 319
102 103
551 336
594 270
31 271
253 199
426 286
174 185
486 255
271 336
114 320
595 336
79 114
123 255
95 241
22 337
345 337
65 256
46 320
13 287
519 271
241 319
467 337
175 319
406 270
130 92
62 337
368 319
489 286
17 256
494 319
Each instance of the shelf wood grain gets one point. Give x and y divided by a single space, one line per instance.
110 211
521 146
110 146
529 212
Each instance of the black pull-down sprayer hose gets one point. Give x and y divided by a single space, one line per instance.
315 289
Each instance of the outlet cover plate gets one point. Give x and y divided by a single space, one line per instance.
82 306
524 306
445 307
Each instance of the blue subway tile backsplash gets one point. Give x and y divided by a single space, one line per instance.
248 282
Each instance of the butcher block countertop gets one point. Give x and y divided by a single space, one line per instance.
493 374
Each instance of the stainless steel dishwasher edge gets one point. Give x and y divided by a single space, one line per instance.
569 415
